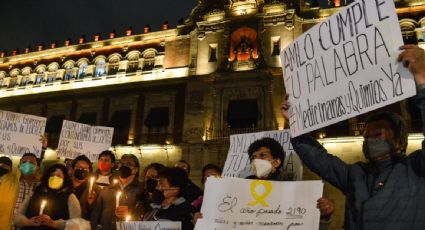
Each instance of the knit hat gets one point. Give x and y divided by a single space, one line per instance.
6 161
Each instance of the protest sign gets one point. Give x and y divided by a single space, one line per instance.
345 66
238 165
20 133
234 203
149 225
77 139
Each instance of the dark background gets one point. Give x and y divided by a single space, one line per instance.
29 22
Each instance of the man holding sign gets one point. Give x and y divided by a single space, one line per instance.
388 192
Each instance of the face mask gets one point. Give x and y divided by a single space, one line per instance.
261 168
55 182
27 168
376 147
158 197
151 185
81 174
125 172
104 166
3 171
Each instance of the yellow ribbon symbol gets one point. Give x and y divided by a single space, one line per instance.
268 186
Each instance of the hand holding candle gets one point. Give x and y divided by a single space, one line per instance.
91 184
117 201
43 204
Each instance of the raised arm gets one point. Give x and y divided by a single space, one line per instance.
317 159
413 58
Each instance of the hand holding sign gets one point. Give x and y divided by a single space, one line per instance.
413 58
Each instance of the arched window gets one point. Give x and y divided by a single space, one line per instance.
25 79
133 62
113 64
100 69
51 76
149 60
82 71
13 78
41 73
69 70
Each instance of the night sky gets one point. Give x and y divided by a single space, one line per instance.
29 22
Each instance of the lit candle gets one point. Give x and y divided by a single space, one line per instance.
115 181
117 201
127 218
91 184
43 204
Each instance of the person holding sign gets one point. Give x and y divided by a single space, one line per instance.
267 157
9 186
388 191
117 201
168 202
52 203
84 189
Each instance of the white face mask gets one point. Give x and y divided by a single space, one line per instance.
261 168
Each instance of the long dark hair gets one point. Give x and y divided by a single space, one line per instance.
67 183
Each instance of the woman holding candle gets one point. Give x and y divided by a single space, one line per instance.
52 203
83 185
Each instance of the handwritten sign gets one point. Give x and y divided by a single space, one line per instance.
77 139
234 203
345 66
149 225
238 164
20 133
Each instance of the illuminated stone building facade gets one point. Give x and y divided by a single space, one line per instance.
179 92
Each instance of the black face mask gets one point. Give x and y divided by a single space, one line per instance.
3 171
151 185
81 174
125 172
157 197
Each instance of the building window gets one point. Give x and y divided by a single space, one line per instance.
243 114
68 74
39 78
51 77
213 53
25 80
88 118
148 64
13 82
100 69
113 67
133 66
157 122
275 46
120 120
82 71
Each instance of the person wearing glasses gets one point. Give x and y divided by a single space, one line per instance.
168 202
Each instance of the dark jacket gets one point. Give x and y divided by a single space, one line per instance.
56 208
103 213
180 210
82 193
389 195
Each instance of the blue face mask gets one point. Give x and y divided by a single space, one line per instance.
27 168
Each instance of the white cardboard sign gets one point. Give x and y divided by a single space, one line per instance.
238 165
234 203
21 133
345 66
81 139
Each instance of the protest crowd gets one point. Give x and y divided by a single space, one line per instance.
74 193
